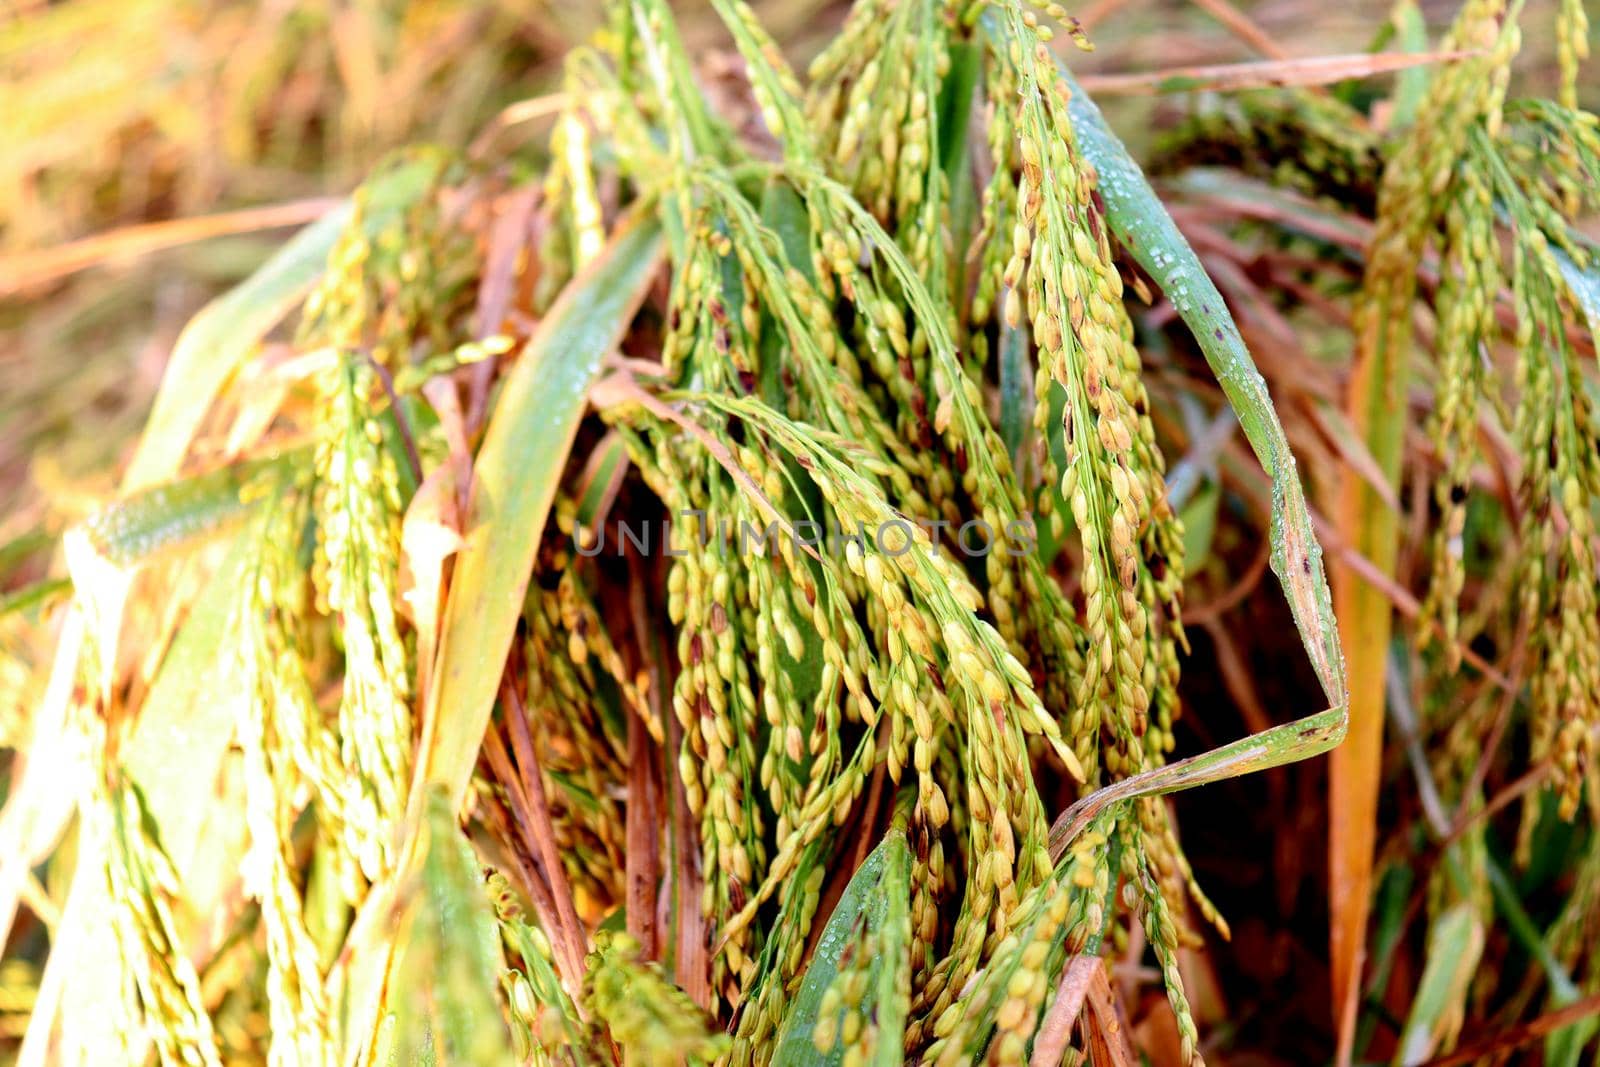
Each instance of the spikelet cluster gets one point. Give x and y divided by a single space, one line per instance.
163 993
1061 282
1508 176
1062 916
358 519
1466 327
1418 178
716 707
1557 438
1112 481
289 756
952 673
1572 48
652 1021
1310 141
874 101
581 755
365 311
545 1024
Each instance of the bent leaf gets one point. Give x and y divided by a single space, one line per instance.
1145 229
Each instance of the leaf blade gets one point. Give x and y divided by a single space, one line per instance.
508 504
217 341
877 900
1454 945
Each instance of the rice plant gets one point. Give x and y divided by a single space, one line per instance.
718 596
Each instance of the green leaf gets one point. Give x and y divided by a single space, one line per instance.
1200 523
1455 943
186 722
218 340
955 130
603 463
1564 1047
784 213
443 991
515 477
955 106
169 518
1016 392
1411 85
106 551
35 596
874 911
1583 283
17 550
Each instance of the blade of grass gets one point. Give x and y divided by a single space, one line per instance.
1016 391
955 132
1454 945
691 964
1391 920
442 992
1411 33
642 861
219 339
513 485
1376 399
602 480
875 905
36 597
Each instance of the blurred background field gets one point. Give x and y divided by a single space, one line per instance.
152 152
